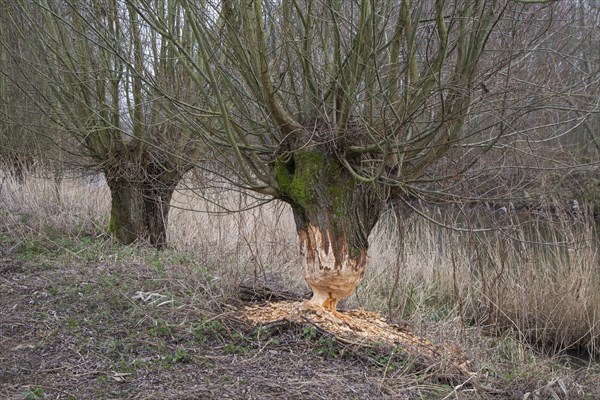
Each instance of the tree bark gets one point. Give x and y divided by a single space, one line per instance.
334 216
140 198
331 269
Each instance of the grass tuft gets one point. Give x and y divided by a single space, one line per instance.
85 316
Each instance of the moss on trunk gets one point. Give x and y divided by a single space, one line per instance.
140 204
334 216
298 177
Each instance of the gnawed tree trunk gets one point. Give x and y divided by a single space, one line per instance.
140 197
334 215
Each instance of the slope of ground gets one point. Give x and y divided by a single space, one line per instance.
121 329
81 318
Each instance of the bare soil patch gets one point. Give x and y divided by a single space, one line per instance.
107 330
122 323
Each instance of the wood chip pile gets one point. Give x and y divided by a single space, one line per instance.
361 328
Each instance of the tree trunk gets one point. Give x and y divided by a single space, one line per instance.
332 268
334 215
140 200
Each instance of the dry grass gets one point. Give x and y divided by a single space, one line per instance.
531 276
67 204
534 276
256 244
447 285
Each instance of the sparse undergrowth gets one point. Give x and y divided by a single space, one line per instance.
83 318
136 323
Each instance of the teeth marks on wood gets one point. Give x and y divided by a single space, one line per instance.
332 275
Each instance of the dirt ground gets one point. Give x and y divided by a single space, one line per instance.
107 326
79 332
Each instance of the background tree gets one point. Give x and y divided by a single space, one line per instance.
340 108
96 60
19 146
548 155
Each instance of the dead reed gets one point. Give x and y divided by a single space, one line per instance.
533 275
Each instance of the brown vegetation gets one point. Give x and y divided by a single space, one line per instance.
85 318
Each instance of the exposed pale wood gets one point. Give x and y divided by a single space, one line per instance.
332 275
364 328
